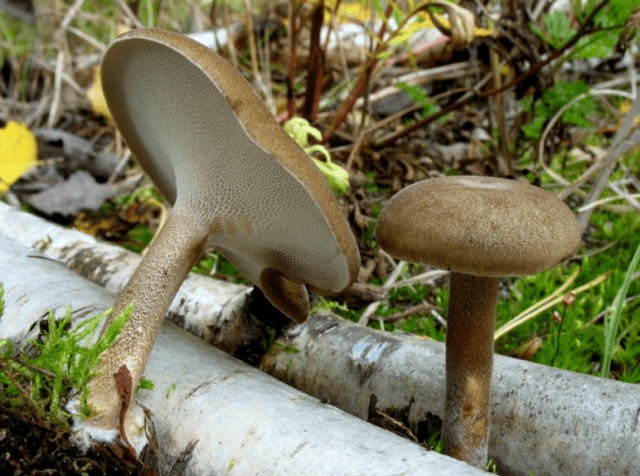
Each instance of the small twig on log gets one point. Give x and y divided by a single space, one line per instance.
421 308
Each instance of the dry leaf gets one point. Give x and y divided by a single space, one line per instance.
79 192
530 348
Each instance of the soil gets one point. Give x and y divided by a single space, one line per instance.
28 448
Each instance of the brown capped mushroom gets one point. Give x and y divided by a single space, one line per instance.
479 228
237 181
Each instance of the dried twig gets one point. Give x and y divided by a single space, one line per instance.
71 13
358 89
57 90
535 69
421 308
88 38
252 40
25 394
230 45
315 66
127 11
603 179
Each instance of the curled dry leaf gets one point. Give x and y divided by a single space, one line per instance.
462 21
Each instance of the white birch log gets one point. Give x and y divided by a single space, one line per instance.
546 420
550 421
247 422
199 302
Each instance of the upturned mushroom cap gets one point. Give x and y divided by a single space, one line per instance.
214 150
481 226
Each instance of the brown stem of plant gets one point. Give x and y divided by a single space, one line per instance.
36 369
315 67
503 133
25 394
252 40
356 92
293 60
584 29
230 46
394 117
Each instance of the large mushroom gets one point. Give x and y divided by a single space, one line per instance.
481 229
236 180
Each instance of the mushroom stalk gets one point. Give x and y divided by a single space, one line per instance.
151 288
469 360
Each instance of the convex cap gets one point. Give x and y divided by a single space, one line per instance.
480 226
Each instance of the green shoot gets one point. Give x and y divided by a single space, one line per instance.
300 130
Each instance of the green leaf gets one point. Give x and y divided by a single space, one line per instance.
557 25
598 45
526 103
1 300
337 177
397 13
536 29
379 10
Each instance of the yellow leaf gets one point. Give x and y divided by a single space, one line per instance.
483 32
95 95
349 11
624 107
18 153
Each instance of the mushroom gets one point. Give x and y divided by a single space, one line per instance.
481 229
236 180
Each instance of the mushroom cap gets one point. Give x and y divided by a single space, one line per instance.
480 226
214 151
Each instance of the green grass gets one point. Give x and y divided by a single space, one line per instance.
66 360
224 269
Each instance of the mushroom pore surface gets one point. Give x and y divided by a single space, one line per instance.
481 226
213 148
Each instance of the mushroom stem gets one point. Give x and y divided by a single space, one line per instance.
469 360
152 288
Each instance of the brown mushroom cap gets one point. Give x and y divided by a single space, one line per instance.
480 226
212 148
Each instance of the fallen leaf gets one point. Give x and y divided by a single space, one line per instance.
124 382
18 153
77 152
530 349
78 192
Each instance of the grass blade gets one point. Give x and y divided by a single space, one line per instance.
611 323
